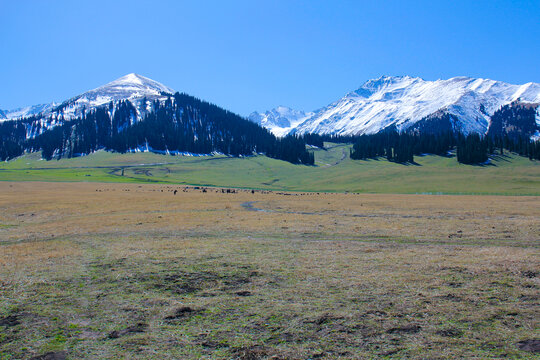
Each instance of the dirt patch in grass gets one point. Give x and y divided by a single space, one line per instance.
325 319
137 328
531 345
183 312
183 282
9 321
450 333
52 355
256 352
529 274
243 293
213 345
405 329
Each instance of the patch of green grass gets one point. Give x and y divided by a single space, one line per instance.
56 342
334 172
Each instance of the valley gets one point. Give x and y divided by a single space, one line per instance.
269 180
334 171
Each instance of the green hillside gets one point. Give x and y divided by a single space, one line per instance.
334 171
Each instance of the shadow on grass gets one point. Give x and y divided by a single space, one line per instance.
482 165
380 158
499 157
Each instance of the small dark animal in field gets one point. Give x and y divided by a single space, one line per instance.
175 191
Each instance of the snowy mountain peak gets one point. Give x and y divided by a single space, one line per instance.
386 80
280 120
127 87
133 87
383 83
135 82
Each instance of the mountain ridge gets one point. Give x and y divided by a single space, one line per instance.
402 101
399 102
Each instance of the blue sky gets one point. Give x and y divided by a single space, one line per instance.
254 55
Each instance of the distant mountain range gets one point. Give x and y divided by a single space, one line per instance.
398 102
404 102
135 113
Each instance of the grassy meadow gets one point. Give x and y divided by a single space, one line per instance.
117 271
334 172
146 256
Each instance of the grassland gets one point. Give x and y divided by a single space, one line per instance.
116 271
334 172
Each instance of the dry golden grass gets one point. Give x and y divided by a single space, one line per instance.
134 271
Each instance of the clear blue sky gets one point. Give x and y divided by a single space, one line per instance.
254 55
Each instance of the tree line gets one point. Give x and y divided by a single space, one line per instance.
470 149
511 128
181 123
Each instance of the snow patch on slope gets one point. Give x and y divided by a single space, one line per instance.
536 135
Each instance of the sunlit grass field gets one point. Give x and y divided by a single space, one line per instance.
116 271
334 172
146 256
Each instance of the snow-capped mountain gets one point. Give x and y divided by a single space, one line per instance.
133 114
132 87
402 101
280 120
